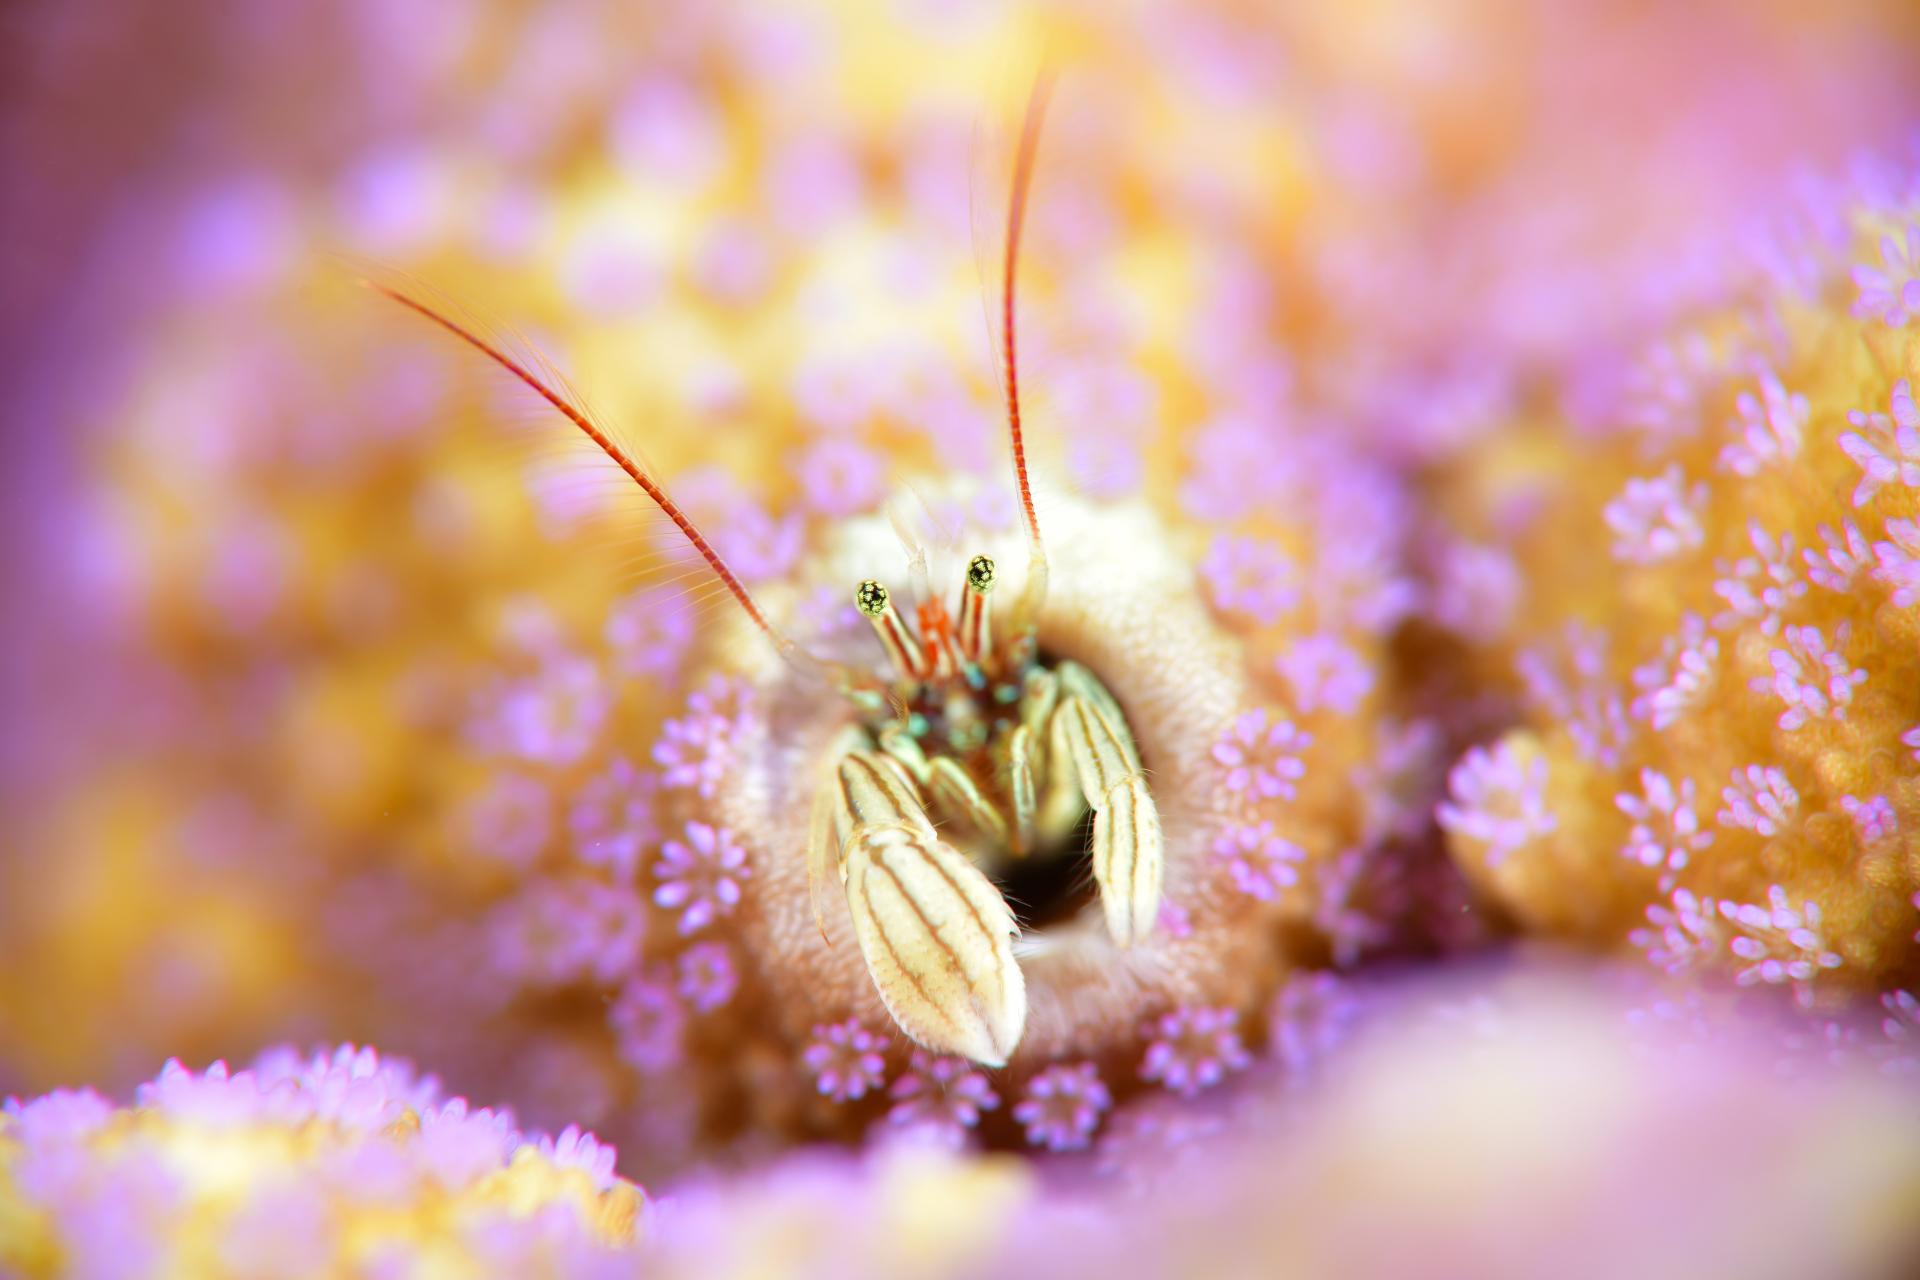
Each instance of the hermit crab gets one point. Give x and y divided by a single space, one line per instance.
972 748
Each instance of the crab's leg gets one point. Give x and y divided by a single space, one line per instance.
953 789
1023 786
1076 679
1026 756
900 745
1038 696
945 781
1127 853
936 935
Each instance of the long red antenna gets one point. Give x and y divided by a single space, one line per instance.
608 446
1009 273
1016 219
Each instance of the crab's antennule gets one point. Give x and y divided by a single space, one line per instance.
918 574
798 657
1036 588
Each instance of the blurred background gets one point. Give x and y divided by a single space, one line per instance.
327 705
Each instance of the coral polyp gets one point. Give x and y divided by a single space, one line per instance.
1719 667
335 1161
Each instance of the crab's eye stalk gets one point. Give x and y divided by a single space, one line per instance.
975 632
874 600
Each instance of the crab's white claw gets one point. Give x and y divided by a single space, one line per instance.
1128 857
1127 860
875 790
938 940
936 935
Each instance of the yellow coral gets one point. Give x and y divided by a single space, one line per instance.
1718 651
339 1162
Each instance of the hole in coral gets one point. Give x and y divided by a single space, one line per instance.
1054 883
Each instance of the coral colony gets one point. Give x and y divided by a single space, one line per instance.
1719 777
1373 728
